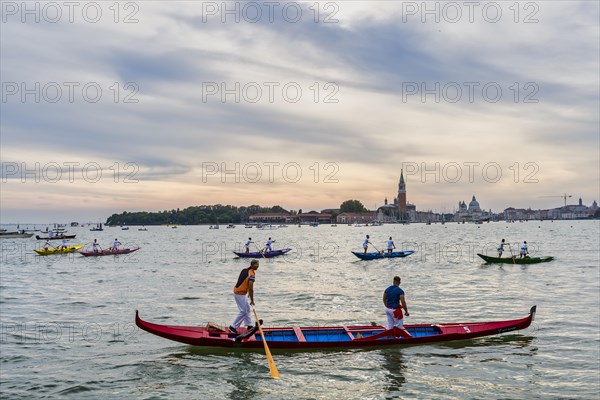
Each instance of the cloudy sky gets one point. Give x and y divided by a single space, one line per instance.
152 105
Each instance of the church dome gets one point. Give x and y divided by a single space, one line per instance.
474 205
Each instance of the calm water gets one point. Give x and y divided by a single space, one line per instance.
67 321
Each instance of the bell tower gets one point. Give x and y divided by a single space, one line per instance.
402 216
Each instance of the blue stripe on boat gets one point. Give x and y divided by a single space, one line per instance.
339 335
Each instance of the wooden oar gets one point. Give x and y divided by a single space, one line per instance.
511 254
260 251
272 366
379 251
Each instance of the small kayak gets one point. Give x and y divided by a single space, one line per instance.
56 250
515 259
342 337
108 252
378 255
266 254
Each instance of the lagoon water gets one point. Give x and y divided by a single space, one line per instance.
67 322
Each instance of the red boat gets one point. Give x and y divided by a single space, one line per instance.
108 252
334 336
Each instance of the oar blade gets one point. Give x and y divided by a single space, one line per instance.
272 367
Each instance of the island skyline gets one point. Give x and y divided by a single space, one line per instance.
567 211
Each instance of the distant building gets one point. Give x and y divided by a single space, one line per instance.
314 217
331 211
400 210
355 217
271 217
522 214
472 213
573 211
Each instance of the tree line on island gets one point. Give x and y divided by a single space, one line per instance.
211 214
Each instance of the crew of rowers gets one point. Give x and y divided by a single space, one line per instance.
63 245
115 246
523 251
95 246
268 246
390 245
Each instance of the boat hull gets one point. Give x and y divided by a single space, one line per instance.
92 253
55 237
266 254
379 255
14 235
515 260
70 249
300 338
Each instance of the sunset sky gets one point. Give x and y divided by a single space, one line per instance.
138 106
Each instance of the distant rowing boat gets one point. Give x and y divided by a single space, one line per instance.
55 237
515 260
342 337
378 255
266 254
56 250
108 252
13 235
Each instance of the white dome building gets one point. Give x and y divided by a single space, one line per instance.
474 205
473 213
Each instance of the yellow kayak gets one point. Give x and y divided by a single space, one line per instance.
56 250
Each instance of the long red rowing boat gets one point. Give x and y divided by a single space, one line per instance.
108 252
333 336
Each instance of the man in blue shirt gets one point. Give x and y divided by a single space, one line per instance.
393 299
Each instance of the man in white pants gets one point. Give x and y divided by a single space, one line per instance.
393 299
524 250
244 297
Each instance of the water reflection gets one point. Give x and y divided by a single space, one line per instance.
241 379
239 368
393 362
512 339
